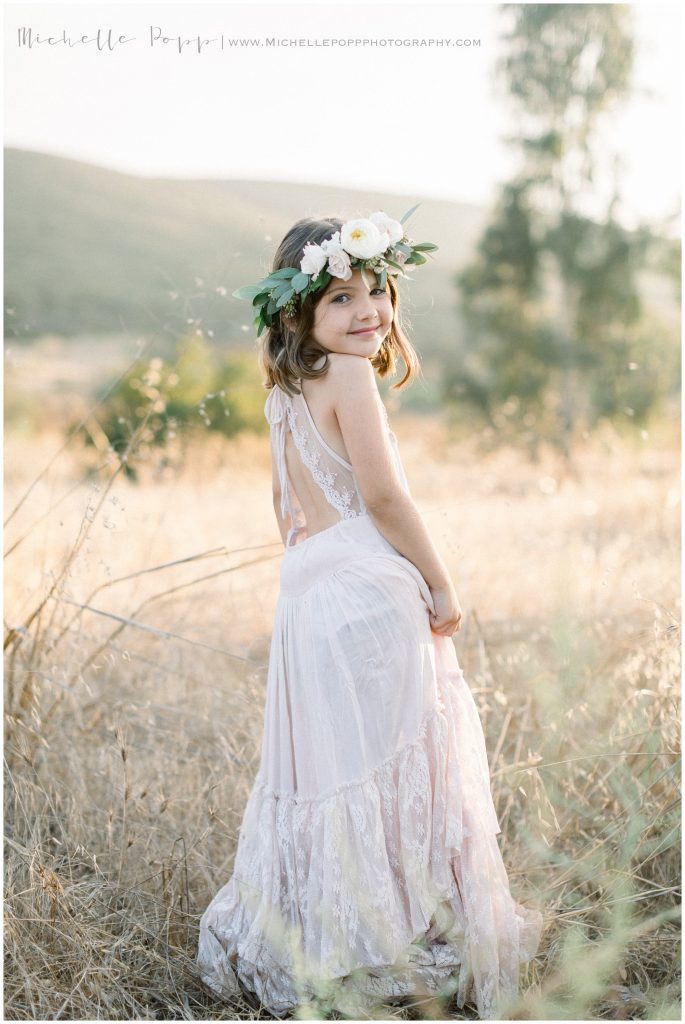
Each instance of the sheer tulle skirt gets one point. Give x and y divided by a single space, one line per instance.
367 865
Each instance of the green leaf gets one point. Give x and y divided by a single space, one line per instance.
284 272
322 281
300 282
425 247
248 291
272 307
409 213
260 299
417 258
285 297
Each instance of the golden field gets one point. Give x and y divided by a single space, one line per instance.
137 627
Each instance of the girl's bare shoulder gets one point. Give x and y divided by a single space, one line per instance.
348 377
345 368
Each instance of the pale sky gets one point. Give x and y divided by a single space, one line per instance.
426 120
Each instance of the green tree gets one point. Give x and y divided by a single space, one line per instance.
550 300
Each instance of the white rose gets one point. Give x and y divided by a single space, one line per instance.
391 229
362 239
339 264
331 244
314 259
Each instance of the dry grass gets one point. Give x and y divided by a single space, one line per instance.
137 625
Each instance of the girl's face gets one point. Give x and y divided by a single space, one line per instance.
348 307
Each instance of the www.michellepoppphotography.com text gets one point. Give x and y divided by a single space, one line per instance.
107 40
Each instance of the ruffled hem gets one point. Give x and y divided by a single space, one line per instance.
390 886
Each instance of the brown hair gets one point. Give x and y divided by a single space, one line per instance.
287 355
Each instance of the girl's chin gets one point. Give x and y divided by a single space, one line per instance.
359 344
367 340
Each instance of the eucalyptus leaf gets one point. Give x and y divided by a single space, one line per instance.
300 282
409 213
248 291
284 272
285 298
321 282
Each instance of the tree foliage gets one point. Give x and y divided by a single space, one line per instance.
158 402
555 338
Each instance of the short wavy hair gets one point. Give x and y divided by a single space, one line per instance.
287 355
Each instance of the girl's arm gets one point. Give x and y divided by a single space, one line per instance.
283 525
360 415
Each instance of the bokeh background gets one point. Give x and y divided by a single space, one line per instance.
143 184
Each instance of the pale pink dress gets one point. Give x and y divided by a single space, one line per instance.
367 865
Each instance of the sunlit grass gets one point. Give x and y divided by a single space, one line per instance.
138 620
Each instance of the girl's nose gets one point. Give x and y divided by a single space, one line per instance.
367 306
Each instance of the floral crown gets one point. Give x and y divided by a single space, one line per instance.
376 243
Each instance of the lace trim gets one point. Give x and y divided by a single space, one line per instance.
340 500
274 794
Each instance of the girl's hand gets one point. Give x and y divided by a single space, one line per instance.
447 618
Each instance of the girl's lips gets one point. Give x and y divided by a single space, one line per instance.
367 330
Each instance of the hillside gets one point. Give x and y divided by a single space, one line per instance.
93 251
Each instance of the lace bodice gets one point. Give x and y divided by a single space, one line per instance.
333 474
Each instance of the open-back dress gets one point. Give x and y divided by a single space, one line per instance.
367 865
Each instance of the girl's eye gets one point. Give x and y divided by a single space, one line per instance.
344 295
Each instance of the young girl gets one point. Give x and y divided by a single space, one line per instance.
367 865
